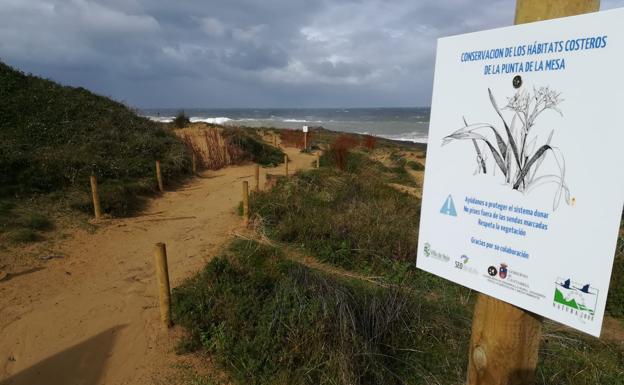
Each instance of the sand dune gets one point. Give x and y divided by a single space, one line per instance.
91 317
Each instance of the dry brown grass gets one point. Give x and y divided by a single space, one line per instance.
294 138
212 150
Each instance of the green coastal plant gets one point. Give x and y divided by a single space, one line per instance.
181 120
268 320
517 154
52 138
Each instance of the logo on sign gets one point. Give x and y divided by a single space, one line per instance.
449 207
462 264
492 271
576 299
502 271
429 252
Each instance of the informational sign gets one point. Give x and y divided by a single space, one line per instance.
524 186
305 128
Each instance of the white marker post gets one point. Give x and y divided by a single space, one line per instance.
305 137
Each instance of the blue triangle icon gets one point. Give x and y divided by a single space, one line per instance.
449 207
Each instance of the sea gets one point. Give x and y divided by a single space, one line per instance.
406 124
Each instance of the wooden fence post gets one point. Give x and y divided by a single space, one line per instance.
97 209
505 339
318 160
285 164
257 177
164 292
194 163
274 140
245 203
305 140
159 177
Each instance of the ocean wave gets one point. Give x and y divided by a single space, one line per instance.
415 137
161 119
218 120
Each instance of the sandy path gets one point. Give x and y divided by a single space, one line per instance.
91 317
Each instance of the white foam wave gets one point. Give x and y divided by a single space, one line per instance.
218 120
295 121
415 137
160 119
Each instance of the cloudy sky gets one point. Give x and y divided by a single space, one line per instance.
243 53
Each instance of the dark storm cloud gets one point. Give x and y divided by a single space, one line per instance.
242 52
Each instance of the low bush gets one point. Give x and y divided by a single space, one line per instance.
416 166
23 235
337 216
181 120
340 150
20 225
35 221
369 142
254 147
271 321
268 320
615 299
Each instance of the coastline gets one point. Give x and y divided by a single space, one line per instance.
400 124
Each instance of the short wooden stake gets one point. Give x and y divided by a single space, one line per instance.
505 339
285 164
318 159
194 163
245 203
159 177
257 177
275 140
97 209
164 292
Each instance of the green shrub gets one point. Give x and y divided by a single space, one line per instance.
181 120
35 221
268 320
615 299
337 215
252 144
416 166
23 236
52 138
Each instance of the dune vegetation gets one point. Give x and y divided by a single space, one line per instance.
361 313
53 137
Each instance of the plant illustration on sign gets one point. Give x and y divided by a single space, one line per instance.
516 152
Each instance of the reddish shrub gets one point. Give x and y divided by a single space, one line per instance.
340 150
294 138
369 142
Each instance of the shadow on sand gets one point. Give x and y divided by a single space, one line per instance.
81 364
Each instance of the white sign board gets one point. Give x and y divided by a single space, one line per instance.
524 186
305 128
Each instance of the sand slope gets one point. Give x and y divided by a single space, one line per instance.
91 317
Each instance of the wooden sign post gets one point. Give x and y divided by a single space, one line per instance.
505 339
97 209
159 177
285 164
318 159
